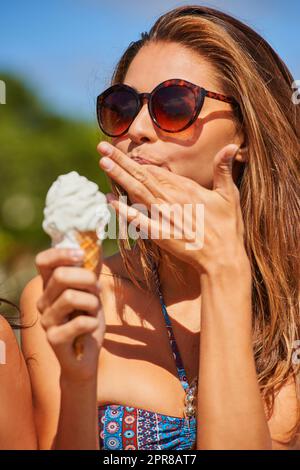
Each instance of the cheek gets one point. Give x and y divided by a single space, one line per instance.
121 143
195 164
195 161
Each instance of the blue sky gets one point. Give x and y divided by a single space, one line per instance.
67 49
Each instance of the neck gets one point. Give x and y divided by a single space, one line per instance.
179 286
184 285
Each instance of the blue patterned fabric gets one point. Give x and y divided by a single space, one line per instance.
126 428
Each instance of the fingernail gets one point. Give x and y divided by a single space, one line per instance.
105 148
77 255
106 163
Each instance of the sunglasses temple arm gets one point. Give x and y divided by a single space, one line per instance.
218 96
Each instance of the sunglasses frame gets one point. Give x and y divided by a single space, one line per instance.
200 94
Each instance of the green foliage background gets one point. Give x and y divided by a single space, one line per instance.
36 146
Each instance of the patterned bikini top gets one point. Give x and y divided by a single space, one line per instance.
123 427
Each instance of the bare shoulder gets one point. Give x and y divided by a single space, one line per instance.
35 345
42 364
114 283
113 267
118 289
284 418
8 346
12 363
6 332
16 417
119 294
11 358
32 291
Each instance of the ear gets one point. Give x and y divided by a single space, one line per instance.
240 139
240 161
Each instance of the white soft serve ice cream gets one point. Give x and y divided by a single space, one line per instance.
74 203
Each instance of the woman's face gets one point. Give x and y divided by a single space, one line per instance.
190 152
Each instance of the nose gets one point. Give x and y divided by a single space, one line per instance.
142 128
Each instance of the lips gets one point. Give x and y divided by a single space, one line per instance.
144 161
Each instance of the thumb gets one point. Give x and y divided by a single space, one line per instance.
223 161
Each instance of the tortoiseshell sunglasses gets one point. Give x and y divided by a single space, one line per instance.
173 106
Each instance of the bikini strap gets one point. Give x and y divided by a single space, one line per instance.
178 360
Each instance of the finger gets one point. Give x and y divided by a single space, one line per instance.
68 277
70 301
149 175
49 259
223 181
154 178
64 334
136 170
149 227
133 185
164 176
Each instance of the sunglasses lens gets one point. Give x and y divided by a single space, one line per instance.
173 107
116 111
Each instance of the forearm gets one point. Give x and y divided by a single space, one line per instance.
230 409
78 424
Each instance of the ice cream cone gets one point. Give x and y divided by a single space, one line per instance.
91 245
75 216
92 248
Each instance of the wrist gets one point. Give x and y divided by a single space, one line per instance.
68 383
236 262
229 278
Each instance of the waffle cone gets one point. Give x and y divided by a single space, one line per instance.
90 244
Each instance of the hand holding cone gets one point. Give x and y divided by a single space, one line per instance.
92 248
75 216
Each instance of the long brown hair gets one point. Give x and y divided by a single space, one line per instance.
251 71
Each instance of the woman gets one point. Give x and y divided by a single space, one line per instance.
239 287
17 429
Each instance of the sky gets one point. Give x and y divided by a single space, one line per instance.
66 50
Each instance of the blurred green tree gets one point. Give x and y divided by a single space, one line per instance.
36 146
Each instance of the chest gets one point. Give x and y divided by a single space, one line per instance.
137 364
